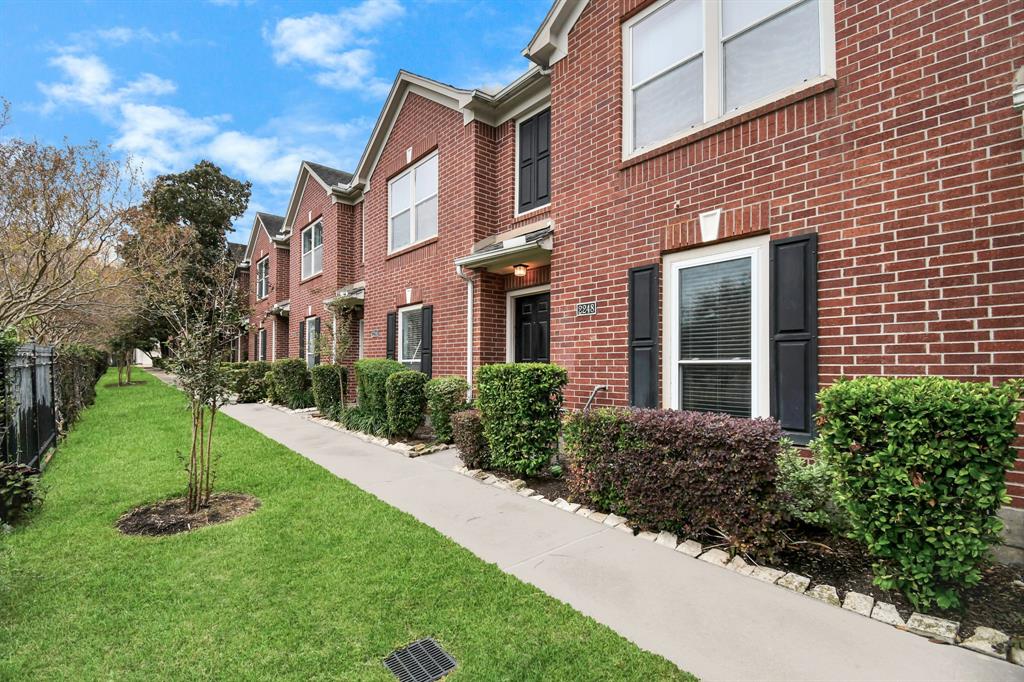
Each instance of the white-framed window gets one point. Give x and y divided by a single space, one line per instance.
688 63
412 205
312 250
716 335
311 340
263 278
410 333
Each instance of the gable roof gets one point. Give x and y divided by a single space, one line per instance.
551 41
331 179
269 223
237 252
329 176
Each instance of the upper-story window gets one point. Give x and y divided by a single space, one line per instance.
690 62
263 278
312 250
412 205
534 162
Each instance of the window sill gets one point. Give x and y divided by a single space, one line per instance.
311 277
536 210
733 119
411 247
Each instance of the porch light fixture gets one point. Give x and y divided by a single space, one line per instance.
519 270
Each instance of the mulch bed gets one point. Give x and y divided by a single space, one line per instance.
169 516
995 602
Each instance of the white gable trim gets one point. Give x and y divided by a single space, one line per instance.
551 41
257 224
305 173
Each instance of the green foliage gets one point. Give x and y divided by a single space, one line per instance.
520 405
445 396
406 401
19 490
271 388
468 433
921 465
809 491
328 381
77 368
292 387
253 387
358 419
371 387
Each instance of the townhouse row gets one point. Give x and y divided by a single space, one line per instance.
696 204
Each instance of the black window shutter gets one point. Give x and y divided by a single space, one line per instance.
643 336
535 161
302 339
392 333
262 341
427 341
793 324
316 339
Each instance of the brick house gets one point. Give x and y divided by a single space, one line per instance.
703 206
266 264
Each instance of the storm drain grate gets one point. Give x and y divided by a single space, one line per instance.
422 661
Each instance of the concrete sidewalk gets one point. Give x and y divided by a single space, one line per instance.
709 621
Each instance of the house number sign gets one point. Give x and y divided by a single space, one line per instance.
586 309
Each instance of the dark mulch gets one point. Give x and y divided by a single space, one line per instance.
995 602
169 516
544 483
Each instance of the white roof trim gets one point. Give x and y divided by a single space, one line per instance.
305 172
256 223
551 41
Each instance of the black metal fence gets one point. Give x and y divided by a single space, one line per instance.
31 410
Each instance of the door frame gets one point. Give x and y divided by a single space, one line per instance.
510 317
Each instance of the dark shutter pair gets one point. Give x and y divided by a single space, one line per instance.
793 323
535 161
426 339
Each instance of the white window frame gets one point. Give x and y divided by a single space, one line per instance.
360 333
264 279
313 249
531 112
754 248
714 69
398 336
310 341
414 239
510 316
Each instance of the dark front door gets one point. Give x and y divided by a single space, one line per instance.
533 328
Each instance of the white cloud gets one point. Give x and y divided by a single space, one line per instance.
336 45
163 139
117 36
89 82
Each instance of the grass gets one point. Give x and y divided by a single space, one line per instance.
321 582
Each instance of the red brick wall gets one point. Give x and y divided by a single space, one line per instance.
278 291
909 169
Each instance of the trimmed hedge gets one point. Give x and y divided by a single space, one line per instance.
405 402
921 465
329 382
292 386
682 472
371 390
247 380
520 406
445 396
77 369
809 491
468 434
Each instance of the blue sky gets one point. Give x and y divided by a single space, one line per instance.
253 85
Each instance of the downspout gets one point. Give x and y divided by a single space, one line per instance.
469 329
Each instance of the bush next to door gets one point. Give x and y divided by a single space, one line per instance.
520 406
405 402
921 465
291 383
371 416
445 396
468 433
683 472
327 387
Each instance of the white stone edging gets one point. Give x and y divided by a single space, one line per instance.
984 640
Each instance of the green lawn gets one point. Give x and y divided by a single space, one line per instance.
321 582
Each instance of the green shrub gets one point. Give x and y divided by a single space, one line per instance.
468 433
76 370
406 402
358 419
291 383
520 406
327 387
681 472
19 490
253 387
809 492
921 466
371 390
270 387
445 396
